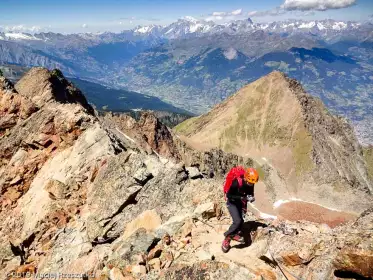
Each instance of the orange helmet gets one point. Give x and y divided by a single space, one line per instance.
251 175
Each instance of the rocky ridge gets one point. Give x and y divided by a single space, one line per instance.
126 199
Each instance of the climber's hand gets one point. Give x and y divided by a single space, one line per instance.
250 198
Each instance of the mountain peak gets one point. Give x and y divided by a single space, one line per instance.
191 19
42 85
275 118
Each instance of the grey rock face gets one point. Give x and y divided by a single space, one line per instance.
336 150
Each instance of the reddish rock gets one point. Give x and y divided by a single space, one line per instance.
266 274
291 259
27 268
355 260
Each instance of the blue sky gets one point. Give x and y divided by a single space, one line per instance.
69 16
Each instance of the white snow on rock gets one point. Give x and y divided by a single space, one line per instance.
191 19
320 26
169 31
144 29
230 53
307 25
195 27
262 214
125 135
339 25
20 36
280 202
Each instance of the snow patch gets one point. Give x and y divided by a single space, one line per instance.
195 27
280 202
230 54
206 28
339 25
191 19
169 31
320 26
144 29
20 36
264 215
307 25
129 138
264 26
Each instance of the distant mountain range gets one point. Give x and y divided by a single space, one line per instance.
190 26
195 64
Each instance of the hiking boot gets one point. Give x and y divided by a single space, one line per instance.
226 245
238 238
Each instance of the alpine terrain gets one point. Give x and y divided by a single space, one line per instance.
89 195
195 64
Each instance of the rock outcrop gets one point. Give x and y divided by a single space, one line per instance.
103 199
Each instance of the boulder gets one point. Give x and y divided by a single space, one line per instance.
116 274
138 270
56 189
206 210
193 172
148 220
132 250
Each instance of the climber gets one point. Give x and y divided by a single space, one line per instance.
238 191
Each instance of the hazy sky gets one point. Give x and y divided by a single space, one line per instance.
68 16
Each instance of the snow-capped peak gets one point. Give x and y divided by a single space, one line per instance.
19 36
339 25
191 19
144 29
307 24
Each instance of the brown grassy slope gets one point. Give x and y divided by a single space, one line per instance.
263 119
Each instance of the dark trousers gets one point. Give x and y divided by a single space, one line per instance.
235 210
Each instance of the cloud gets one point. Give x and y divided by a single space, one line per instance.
84 25
140 18
219 14
274 12
306 7
236 12
318 5
224 15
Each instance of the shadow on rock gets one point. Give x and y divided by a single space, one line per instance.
249 228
